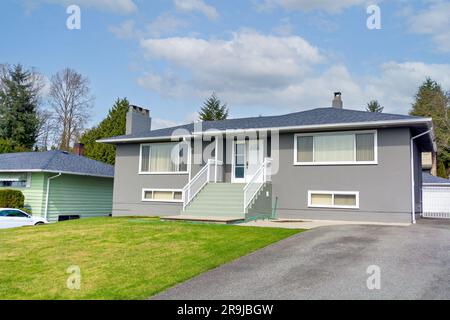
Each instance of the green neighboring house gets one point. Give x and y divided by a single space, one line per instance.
58 185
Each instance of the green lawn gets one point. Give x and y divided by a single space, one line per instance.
119 258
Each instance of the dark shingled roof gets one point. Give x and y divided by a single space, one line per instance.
320 116
427 178
54 161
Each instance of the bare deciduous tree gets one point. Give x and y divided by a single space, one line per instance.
46 129
71 100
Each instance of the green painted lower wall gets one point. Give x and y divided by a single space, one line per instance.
35 194
80 195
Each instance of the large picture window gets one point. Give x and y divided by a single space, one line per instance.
336 148
169 157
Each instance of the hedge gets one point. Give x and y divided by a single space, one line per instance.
12 199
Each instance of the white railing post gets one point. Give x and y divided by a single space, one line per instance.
215 173
209 170
202 178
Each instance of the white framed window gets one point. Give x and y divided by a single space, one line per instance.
333 199
15 180
162 195
164 158
336 148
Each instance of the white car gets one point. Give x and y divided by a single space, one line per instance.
13 218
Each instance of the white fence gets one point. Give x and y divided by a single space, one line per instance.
436 202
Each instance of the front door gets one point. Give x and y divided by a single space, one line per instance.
247 158
239 161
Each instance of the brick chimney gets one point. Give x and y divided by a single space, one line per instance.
138 120
337 101
78 149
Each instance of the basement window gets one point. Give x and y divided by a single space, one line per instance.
162 195
333 199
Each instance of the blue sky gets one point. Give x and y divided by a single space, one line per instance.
261 57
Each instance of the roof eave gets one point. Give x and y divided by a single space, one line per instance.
58 171
387 123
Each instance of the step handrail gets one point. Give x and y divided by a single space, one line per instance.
262 173
205 174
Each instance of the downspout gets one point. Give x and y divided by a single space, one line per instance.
48 193
413 191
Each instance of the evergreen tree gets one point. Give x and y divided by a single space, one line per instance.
113 125
213 109
441 172
432 101
374 106
19 98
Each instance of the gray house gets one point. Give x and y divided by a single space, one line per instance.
326 163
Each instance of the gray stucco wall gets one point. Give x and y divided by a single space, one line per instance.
384 189
128 185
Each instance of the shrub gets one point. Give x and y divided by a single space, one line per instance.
12 199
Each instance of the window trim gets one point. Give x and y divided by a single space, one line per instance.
342 163
140 172
144 190
333 193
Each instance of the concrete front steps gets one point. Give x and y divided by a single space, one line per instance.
216 203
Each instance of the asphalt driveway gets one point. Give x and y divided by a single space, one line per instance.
332 262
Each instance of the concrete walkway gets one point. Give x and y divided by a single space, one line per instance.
331 263
311 224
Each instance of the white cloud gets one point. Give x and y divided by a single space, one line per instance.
330 6
248 59
158 123
433 21
197 5
165 24
399 82
120 6
126 30
282 73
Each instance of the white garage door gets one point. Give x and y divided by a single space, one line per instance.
436 202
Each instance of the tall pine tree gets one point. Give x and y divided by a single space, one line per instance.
374 106
432 101
213 109
113 125
19 98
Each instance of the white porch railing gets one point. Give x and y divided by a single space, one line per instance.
260 178
211 172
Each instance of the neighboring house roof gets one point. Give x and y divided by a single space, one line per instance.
54 161
429 179
315 118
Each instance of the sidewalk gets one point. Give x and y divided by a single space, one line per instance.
311 224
